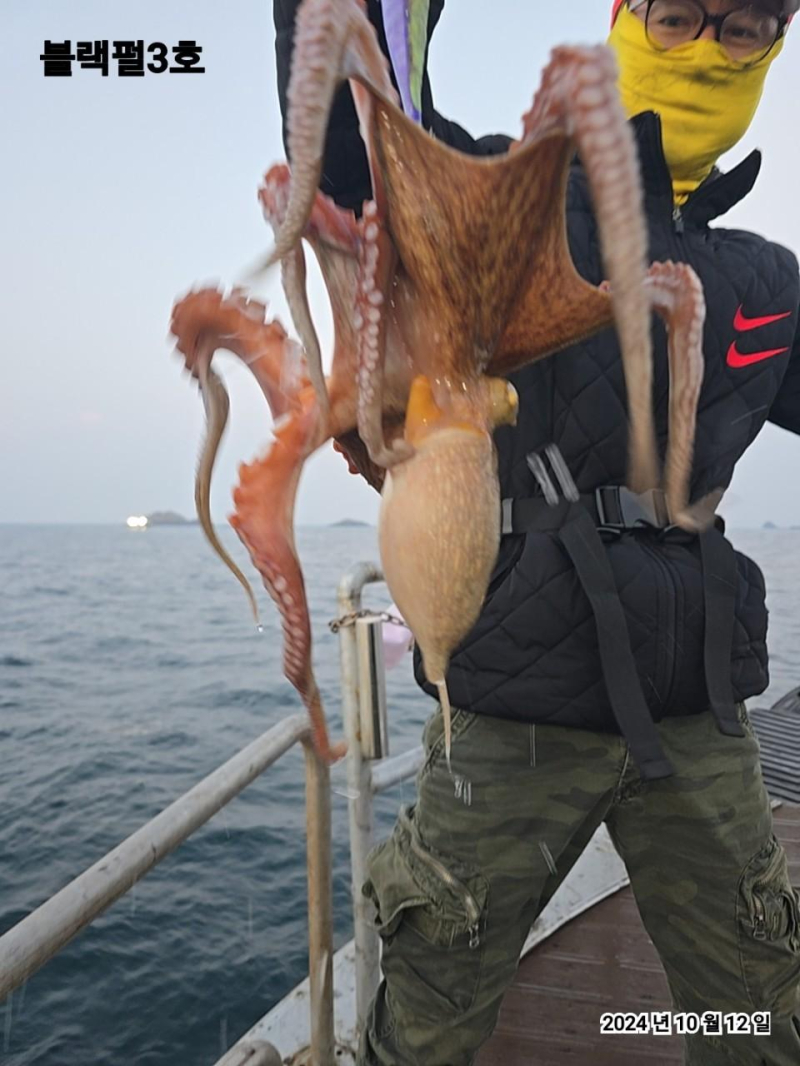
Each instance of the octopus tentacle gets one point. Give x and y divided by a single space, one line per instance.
327 223
677 295
349 263
263 520
377 260
330 47
364 59
580 89
320 38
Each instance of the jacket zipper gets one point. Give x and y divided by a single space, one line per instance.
677 220
460 890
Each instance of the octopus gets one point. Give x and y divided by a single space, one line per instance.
456 274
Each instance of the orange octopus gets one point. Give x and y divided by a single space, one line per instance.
456 274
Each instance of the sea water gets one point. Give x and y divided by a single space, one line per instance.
129 669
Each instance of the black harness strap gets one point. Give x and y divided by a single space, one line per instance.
577 526
719 591
588 554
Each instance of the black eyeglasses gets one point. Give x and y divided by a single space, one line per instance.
748 34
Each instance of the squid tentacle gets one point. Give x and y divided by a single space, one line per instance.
579 89
217 406
202 322
274 197
206 320
293 276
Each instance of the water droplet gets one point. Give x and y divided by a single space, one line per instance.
548 858
463 790
22 999
347 793
7 1026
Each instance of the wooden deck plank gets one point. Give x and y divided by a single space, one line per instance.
596 963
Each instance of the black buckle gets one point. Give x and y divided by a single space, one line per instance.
619 508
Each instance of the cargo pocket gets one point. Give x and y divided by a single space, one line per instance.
769 932
430 914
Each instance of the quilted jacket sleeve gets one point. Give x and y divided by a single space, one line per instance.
345 171
785 410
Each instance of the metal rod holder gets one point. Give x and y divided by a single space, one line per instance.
359 783
372 689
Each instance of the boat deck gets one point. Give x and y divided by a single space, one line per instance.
601 962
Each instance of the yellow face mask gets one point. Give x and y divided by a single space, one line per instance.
705 99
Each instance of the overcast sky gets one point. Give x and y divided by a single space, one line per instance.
118 194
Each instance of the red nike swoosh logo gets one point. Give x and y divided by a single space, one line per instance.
741 323
736 359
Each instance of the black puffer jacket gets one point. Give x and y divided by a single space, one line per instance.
533 655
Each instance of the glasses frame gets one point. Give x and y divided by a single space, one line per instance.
717 21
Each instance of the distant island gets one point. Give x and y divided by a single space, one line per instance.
169 518
348 522
159 518
769 525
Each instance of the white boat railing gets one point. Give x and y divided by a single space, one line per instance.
33 941
363 783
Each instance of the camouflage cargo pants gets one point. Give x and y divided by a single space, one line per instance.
458 884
